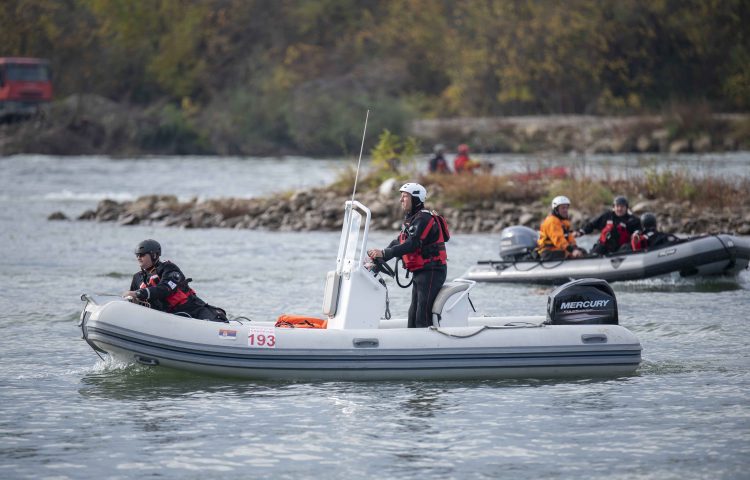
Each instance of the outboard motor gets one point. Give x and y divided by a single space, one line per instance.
517 242
583 301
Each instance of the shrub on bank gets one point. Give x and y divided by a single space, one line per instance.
464 190
172 132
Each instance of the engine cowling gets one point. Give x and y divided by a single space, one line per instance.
517 242
583 301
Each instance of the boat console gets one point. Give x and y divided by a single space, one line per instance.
355 295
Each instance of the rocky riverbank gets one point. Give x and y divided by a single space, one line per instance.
321 209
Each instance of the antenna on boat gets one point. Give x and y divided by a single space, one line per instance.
350 205
361 148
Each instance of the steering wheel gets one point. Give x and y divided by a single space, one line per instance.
383 267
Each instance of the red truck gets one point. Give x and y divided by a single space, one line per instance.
24 86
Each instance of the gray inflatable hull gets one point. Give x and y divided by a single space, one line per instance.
703 256
488 347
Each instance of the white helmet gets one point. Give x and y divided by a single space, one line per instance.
415 190
560 200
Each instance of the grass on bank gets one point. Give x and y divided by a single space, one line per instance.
393 157
474 191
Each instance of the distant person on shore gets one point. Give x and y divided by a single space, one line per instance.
616 226
165 288
648 237
462 163
421 246
438 164
556 238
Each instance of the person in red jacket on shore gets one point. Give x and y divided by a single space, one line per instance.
462 163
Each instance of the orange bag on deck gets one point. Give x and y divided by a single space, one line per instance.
300 321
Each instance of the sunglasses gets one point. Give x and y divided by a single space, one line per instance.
139 255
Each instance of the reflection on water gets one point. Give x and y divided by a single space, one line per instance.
676 283
672 367
114 379
421 401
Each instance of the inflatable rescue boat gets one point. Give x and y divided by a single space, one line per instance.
579 335
708 255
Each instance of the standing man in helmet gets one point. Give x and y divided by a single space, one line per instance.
421 246
462 163
165 288
649 238
616 227
556 238
437 162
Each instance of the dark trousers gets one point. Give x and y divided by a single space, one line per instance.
197 308
599 249
427 284
552 255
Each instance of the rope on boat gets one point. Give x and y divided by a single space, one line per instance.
387 313
489 327
142 303
535 263
98 355
731 253
238 317
541 264
87 299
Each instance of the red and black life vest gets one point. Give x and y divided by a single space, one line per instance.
614 235
639 241
430 253
650 239
178 297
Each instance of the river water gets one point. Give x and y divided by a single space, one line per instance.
64 413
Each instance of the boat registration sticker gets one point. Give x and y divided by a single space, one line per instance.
261 337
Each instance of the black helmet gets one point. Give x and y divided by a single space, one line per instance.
620 201
149 246
648 221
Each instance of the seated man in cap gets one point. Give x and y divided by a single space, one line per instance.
615 226
163 285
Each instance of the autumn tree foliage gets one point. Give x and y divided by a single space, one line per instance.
301 72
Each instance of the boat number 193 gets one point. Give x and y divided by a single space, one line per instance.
261 337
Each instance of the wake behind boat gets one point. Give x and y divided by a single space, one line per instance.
708 255
579 336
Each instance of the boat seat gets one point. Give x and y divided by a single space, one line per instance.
446 292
